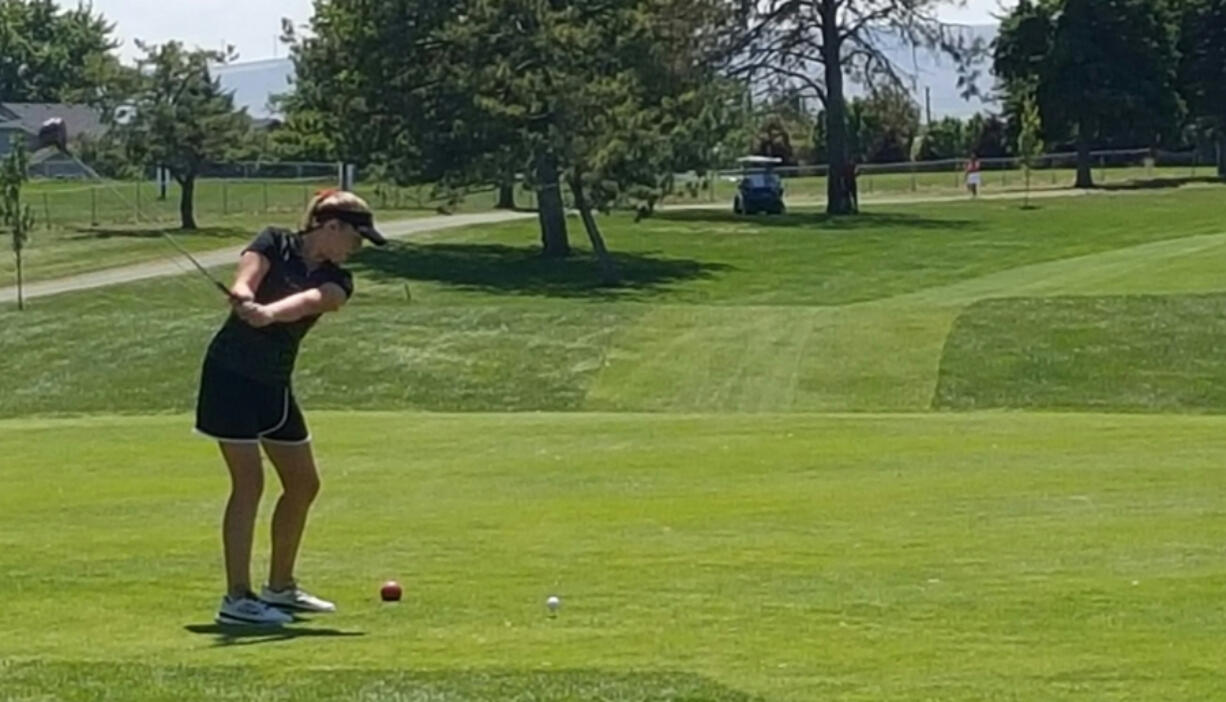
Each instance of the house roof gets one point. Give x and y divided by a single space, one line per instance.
30 116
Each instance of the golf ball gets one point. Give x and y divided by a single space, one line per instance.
391 591
553 603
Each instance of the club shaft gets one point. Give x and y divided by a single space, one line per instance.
203 271
166 235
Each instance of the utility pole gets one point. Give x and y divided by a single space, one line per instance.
928 104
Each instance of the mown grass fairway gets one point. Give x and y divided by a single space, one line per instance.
748 472
786 556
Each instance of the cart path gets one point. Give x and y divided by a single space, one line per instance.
171 265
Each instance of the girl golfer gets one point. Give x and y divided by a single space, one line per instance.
285 281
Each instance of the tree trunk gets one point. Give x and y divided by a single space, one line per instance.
550 211
837 199
506 196
187 202
21 303
1085 176
608 269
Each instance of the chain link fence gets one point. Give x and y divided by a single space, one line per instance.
75 199
284 189
910 178
221 191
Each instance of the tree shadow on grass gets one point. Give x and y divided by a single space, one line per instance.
498 268
227 635
1162 183
155 232
817 220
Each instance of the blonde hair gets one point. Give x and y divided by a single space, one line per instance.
331 200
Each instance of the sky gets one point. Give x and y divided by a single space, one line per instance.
252 26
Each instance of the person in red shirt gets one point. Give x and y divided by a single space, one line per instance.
973 177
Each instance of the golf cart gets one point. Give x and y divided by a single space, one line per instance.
760 189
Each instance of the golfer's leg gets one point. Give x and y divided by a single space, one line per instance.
295 464
238 526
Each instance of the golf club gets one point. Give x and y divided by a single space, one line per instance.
54 134
203 271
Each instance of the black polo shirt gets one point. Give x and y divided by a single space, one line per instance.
267 354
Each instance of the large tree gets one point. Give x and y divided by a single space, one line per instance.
602 98
986 136
365 77
1096 66
882 125
940 140
48 54
817 45
1202 69
418 120
787 129
176 115
607 96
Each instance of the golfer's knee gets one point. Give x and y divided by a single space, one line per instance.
303 489
248 487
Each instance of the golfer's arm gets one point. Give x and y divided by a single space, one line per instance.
328 297
252 268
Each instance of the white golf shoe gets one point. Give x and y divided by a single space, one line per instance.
295 599
249 611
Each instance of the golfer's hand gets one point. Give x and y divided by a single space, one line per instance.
254 314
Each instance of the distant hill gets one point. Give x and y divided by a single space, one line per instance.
254 82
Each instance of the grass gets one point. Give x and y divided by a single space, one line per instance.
790 557
801 313
104 681
729 468
86 227
64 252
1133 353
802 258
891 185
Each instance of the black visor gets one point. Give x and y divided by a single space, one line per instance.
364 222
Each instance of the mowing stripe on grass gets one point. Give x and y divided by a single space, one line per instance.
1135 353
1186 264
773 359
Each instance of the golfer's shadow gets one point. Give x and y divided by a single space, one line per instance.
229 635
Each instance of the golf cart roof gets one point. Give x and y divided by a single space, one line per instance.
759 160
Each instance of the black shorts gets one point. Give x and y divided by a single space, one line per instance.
234 408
